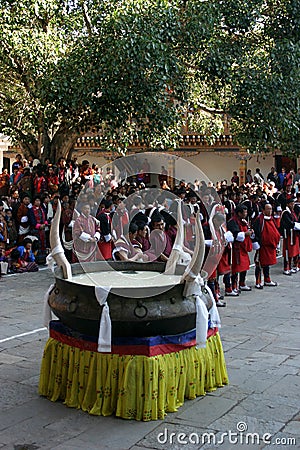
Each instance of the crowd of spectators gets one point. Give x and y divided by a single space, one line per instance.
135 218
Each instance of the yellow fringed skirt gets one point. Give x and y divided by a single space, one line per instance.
130 386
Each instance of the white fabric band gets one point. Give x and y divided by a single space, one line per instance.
85 237
215 320
104 336
201 322
241 236
55 251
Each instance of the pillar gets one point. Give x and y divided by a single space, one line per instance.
243 169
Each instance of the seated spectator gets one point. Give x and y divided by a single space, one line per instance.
124 249
23 259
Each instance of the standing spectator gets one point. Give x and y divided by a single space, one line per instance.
289 179
235 178
39 182
63 178
87 174
281 177
25 184
97 177
106 241
3 226
4 183
12 233
38 223
258 177
271 175
22 217
267 236
285 196
249 178
297 176
17 164
289 229
52 180
242 245
14 179
108 175
120 218
86 232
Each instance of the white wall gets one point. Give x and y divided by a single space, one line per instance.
213 166
219 166
263 162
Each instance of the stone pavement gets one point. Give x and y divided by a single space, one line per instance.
261 339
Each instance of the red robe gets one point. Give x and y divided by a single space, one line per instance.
240 257
290 248
85 251
270 238
224 265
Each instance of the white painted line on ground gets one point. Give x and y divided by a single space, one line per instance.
22 334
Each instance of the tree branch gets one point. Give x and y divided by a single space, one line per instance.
86 17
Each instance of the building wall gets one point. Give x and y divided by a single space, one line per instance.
219 166
210 166
4 144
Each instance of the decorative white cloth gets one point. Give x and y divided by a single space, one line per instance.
201 322
241 236
228 236
193 288
85 237
104 337
47 316
215 320
255 246
50 260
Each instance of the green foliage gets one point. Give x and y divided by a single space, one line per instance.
132 68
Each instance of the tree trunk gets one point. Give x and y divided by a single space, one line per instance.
62 144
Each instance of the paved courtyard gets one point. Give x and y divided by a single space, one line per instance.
261 338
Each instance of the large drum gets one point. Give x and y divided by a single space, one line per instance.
143 301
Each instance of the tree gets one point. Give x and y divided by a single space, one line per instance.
248 68
68 67
130 69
